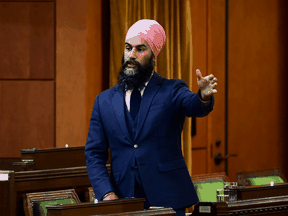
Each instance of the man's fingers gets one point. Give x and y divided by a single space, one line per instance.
198 74
214 85
211 77
213 80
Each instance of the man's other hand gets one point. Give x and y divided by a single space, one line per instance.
207 85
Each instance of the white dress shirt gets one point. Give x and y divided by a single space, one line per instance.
128 92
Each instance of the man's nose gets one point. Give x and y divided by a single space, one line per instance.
132 54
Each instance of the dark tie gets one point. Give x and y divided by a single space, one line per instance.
135 102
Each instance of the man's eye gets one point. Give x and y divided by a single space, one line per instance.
128 48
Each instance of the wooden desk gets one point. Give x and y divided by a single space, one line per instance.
269 206
154 212
103 207
52 158
20 183
261 191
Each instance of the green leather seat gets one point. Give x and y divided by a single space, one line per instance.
265 180
54 202
207 190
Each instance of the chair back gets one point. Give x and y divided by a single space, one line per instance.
260 177
206 185
34 203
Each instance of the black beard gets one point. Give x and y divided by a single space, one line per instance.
138 79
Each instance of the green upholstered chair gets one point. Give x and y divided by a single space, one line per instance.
206 185
260 177
34 203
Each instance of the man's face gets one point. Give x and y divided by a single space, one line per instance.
136 49
137 64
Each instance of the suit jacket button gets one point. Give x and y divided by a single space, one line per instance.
135 146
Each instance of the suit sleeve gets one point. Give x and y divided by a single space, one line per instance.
96 154
188 103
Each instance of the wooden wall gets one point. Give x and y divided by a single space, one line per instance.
257 67
199 40
27 76
82 45
254 53
54 61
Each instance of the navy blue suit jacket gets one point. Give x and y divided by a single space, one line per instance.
164 174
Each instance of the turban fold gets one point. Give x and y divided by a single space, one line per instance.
149 30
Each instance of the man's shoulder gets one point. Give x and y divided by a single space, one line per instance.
108 93
174 82
168 80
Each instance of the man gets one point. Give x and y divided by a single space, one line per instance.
141 120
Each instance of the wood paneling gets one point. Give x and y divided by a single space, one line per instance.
256 126
97 60
26 116
27 0
216 66
71 57
283 67
199 41
199 162
257 72
27 40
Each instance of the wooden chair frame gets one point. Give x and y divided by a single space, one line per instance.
243 177
210 177
30 198
91 194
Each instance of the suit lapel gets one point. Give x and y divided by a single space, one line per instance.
118 105
149 93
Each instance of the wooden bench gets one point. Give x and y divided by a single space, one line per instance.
15 185
268 206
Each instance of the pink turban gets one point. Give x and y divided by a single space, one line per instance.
151 31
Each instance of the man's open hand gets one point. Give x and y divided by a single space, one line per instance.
207 85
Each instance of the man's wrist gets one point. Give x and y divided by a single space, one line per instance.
204 103
204 97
